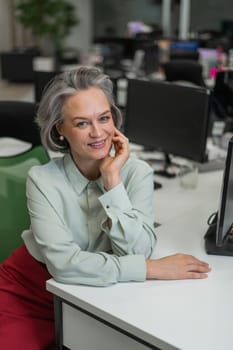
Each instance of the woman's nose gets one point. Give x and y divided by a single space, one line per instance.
95 130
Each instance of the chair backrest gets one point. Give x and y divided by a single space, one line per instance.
184 55
41 79
184 70
18 121
13 206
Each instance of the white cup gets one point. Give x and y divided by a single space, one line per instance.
188 175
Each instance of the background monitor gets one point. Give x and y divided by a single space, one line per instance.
151 58
129 45
223 93
211 58
184 45
184 49
146 60
219 236
168 117
227 28
208 53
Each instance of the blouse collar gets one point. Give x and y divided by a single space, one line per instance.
76 178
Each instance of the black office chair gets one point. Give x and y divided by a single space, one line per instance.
41 79
184 55
184 70
18 121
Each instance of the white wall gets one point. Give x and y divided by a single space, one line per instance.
5 26
207 14
81 36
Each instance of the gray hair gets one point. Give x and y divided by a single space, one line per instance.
64 85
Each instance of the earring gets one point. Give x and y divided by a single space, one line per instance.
61 138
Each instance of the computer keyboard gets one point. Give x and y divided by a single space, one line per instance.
212 165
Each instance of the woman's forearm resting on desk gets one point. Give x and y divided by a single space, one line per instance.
178 266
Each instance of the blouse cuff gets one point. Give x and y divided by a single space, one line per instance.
115 198
133 268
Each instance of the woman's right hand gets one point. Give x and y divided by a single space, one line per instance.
111 166
176 267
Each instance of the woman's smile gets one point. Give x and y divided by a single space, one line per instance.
98 144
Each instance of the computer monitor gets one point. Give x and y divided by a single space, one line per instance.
227 28
211 58
219 236
223 93
184 49
151 58
146 61
184 45
169 118
128 44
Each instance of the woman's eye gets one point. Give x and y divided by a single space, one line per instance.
104 118
82 124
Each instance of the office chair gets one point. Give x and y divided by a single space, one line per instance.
41 79
184 55
17 121
13 206
184 70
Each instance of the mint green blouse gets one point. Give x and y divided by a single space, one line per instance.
70 230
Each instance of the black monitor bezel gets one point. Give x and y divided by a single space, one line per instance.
223 92
202 157
220 234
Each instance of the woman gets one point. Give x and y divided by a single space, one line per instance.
91 212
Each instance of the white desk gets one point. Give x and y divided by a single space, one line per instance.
10 146
187 315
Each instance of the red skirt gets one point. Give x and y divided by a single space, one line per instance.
26 308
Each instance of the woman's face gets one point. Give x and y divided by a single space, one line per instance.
88 125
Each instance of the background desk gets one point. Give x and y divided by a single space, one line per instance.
187 315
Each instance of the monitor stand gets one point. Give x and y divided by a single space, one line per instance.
225 249
157 185
168 170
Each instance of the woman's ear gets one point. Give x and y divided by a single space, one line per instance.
59 128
